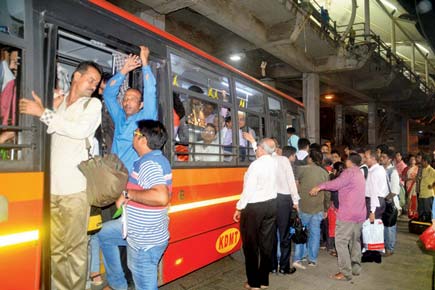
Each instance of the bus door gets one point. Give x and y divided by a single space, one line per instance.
21 167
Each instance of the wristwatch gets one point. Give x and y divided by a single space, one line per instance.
125 193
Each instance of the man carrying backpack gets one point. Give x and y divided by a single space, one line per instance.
392 202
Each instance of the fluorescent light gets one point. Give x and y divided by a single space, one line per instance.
235 57
389 4
425 50
18 238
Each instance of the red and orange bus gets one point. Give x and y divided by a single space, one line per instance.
41 42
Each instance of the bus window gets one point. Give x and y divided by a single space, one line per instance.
249 99
253 125
12 17
276 126
195 78
10 91
200 112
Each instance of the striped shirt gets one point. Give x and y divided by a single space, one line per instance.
147 226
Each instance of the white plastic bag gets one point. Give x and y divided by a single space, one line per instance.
373 236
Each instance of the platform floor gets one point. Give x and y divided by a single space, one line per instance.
408 269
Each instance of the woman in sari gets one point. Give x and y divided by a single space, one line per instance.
409 176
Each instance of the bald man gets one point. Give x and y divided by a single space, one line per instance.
132 109
256 211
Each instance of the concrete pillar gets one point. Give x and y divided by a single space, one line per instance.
405 135
413 56
372 128
339 121
393 36
367 19
310 92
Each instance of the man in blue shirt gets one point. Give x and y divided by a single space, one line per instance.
292 137
125 116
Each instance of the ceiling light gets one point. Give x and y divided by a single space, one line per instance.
420 132
329 97
235 57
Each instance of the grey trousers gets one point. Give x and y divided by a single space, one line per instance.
348 245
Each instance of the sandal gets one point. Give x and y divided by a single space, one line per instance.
340 277
333 253
96 279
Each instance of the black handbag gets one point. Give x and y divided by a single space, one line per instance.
389 217
300 235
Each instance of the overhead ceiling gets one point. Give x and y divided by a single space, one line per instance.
282 34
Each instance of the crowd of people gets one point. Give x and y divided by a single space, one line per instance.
137 140
332 194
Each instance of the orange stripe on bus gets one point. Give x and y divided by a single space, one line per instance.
196 176
22 186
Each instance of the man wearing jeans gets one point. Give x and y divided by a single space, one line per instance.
393 181
135 106
312 209
350 216
145 205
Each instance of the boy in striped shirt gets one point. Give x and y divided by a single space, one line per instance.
146 204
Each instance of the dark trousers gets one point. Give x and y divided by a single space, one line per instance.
283 211
257 225
379 210
425 209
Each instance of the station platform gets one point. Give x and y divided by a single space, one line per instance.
408 269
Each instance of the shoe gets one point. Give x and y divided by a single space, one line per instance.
299 265
340 277
273 271
287 272
96 280
388 253
312 264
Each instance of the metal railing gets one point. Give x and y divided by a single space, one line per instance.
334 31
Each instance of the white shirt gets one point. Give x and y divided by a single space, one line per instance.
69 127
394 182
259 182
212 149
301 154
376 185
285 179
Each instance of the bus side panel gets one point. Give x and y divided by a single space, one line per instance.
201 219
187 255
21 230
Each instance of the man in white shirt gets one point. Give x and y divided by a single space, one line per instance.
302 154
74 120
287 198
390 232
376 187
256 211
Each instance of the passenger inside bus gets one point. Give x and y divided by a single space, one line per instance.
208 148
9 58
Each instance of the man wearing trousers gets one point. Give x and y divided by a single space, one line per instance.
256 212
350 216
